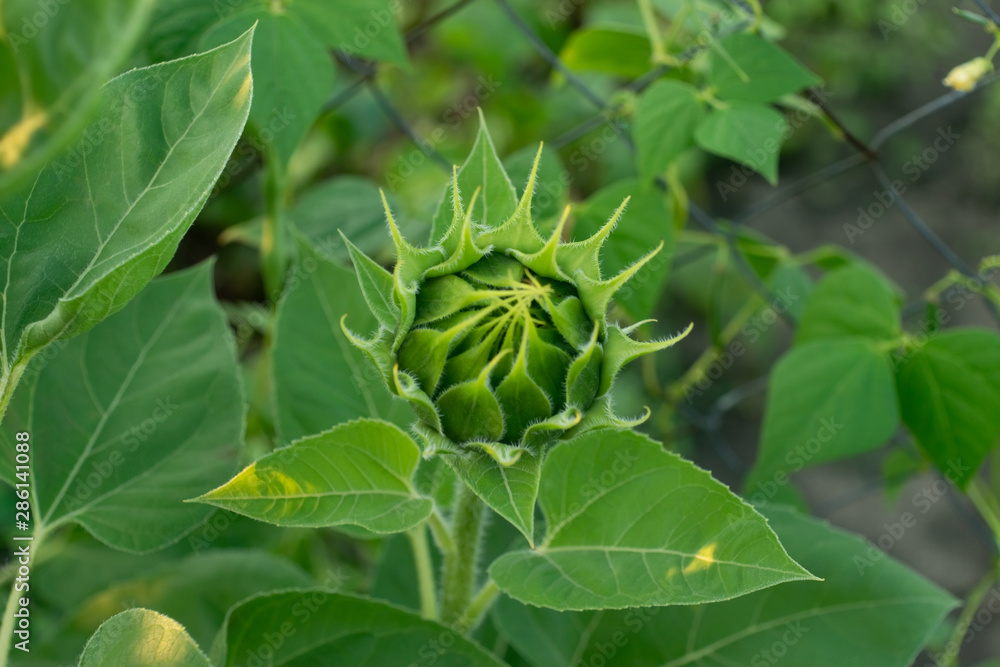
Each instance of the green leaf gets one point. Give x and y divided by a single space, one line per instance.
829 400
320 379
630 524
359 473
355 26
851 301
95 226
949 391
616 50
645 223
665 121
482 169
749 68
142 638
510 490
131 418
53 64
342 631
750 134
198 590
868 606
293 75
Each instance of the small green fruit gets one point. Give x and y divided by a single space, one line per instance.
498 337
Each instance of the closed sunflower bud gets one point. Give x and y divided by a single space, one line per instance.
496 336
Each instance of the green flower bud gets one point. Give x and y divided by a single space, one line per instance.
496 336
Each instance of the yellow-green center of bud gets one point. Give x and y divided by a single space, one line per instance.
493 345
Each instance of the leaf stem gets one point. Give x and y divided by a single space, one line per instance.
461 564
976 596
440 531
425 572
987 506
474 613
7 625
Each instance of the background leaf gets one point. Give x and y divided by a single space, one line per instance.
142 638
750 134
692 541
293 75
312 391
749 68
355 26
132 418
828 400
616 50
52 74
949 390
851 301
878 613
665 119
359 473
341 631
95 226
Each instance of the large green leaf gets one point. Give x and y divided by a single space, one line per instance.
142 638
482 170
869 611
359 473
949 391
851 301
320 379
829 399
630 524
53 62
130 419
293 75
96 225
665 120
323 629
750 134
360 27
749 68
646 222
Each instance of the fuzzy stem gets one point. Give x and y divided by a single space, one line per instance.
425 572
460 566
474 613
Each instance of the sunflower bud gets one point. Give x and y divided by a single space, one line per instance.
496 336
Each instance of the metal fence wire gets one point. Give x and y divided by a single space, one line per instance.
708 421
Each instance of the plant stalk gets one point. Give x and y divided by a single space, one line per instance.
425 572
461 564
474 613
976 596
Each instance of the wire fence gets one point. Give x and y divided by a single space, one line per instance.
710 420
